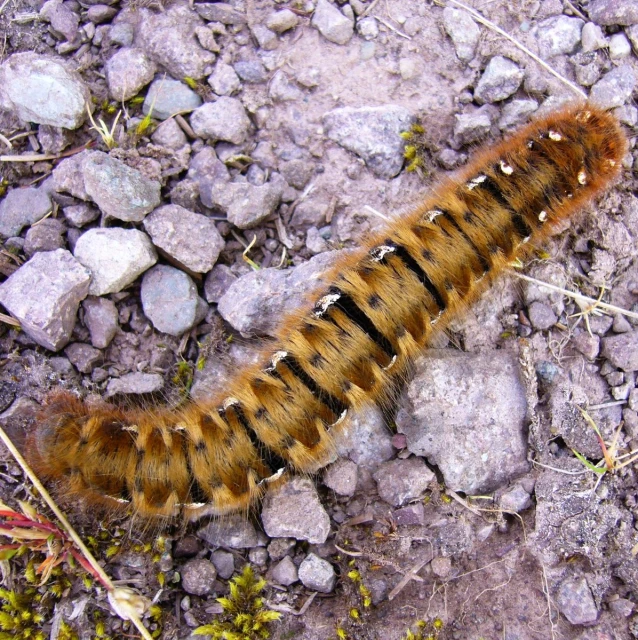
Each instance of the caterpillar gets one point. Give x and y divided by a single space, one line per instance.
349 345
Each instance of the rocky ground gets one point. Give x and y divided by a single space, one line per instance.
244 145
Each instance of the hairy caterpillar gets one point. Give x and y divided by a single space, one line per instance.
351 343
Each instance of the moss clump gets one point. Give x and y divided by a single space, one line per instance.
244 616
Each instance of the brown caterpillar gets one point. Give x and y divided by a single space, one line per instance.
351 343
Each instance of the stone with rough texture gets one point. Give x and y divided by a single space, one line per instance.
285 572
500 80
44 295
254 303
83 357
41 89
170 300
128 71
614 88
68 176
136 383
120 191
467 414
373 133
190 238
198 577
331 23
168 38
115 257
167 97
366 439
399 481
558 35
293 509
224 80
592 38
341 477
61 17
224 119
576 602
463 31
541 316
317 574
245 204
47 235
233 531
101 319
220 12
80 214
280 21
224 563
472 127
217 282
516 112
622 350
610 12
21 208
515 499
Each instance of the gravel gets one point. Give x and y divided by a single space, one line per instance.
167 97
21 208
331 23
500 80
127 72
463 31
225 119
317 574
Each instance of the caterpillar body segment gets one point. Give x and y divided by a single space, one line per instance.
350 344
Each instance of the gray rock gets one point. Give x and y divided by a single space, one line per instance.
463 31
558 35
128 71
135 383
120 191
169 134
500 80
168 37
115 257
281 547
298 173
167 97
258 556
101 319
68 176
224 80
285 572
225 119
610 12
622 350
251 71
21 208
44 295
266 39
293 509
619 46
198 577
224 563
399 481
83 357
246 205
588 345
27 82
515 499
122 34
80 214
373 133
190 238
280 21
255 303
467 414
516 112
331 23
592 38
366 439
61 18
99 13
455 539
368 28
220 12
441 566
170 300
47 235
317 574
233 531
341 477
541 316
217 282
410 516
614 88
472 127
576 602
283 89
632 34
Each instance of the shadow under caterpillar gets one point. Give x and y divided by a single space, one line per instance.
349 345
